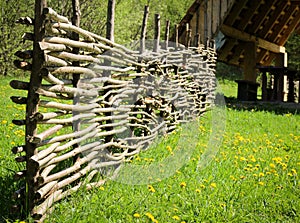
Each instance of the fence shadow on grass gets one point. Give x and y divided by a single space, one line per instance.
279 108
7 188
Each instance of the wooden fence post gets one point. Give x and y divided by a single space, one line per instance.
75 50
32 104
167 33
110 29
157 33
144 29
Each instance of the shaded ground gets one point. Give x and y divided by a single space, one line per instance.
276 107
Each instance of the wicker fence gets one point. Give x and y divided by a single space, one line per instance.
92 103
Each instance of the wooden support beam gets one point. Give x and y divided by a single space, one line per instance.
276 14
250 61
250 12
291 27
284 23
235 12
258 21
239 35
226 49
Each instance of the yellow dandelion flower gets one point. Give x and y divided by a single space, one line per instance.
272 165
242 177
3 122
243 158
261 174
183 184
198 190
182 222
255 175
294 172
290 174
268 173
151 188
213 185
202 186
284 166
175 217
169 149
223 205
101 188
151 217
261 183
137 215
277 159
233 178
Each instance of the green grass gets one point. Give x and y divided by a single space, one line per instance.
254 177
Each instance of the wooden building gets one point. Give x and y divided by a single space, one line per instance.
248 33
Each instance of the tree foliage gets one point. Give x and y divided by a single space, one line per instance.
128 20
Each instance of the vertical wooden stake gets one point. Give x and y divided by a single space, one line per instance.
32 103
176 37
167 33
110 29
110 25
156 33
144 29
76 77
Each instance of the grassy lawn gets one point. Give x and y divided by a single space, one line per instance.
254 177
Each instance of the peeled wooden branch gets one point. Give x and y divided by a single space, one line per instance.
67 107
25 21
53 95
55 16
42 136
19 193
53 47
18 149
15 84
28 36
75 29
75 57
45 189
45 172
45 116
45 152
73 70
19 100
69 136
72 43
19 122
27 54
20 159
24 65
87 136
69 170
53 61
70 90
40 210
52 79
68 121
19 175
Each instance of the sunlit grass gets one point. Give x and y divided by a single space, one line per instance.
253 178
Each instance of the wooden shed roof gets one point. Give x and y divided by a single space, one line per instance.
269 23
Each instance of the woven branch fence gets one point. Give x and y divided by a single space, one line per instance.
92 103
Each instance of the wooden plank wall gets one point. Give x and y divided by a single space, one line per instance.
206 19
